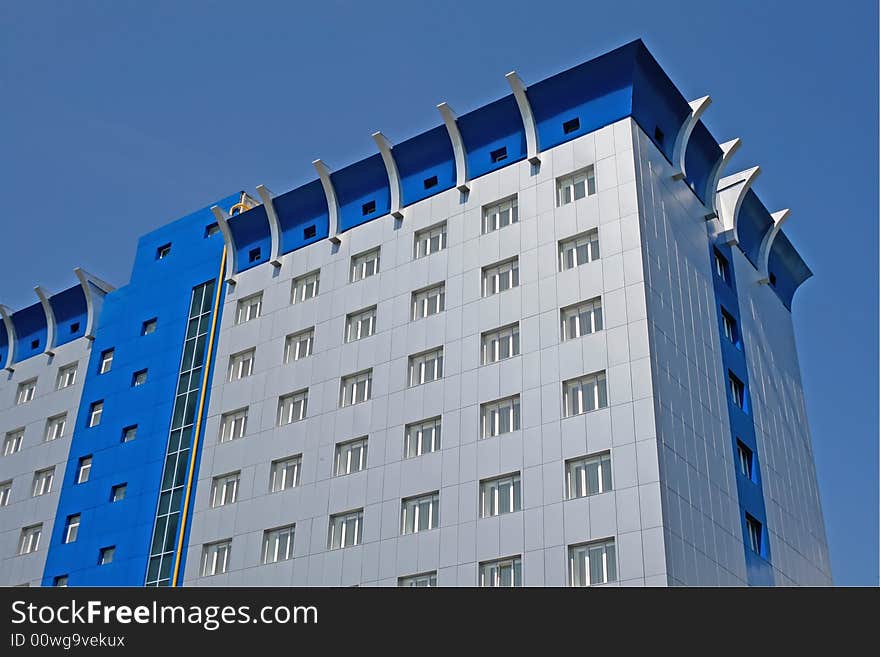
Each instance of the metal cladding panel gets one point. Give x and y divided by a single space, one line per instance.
788 268
71 314
362 192
31 331
421 159
299 211
250 232
490 130
752 224
700 158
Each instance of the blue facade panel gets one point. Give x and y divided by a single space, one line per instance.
425 164
702 154
253 242
493 136
302 215
752 224
31 331
362 191
71 314
4 343
787 268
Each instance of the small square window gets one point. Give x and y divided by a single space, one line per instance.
35 344
105 556
60 581
658 135
571 125
254 254
499 155
211 229
106 361
148 327
430 182
368 208
129 433
117 493
309 232
74 327
163 251
139 378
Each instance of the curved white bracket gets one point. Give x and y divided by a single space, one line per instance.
679 150
51 329
231 255
6 316
449 120
274 225
767 243
731 192
87 280
728 148
391 168
528 118
332 203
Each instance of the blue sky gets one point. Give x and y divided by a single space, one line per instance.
118 117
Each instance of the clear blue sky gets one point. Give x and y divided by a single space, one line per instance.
118 117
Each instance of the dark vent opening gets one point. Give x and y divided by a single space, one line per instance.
254 254
772 279
499 155
309 232
658 135
368 208
211 229
430 182
571 125
74 327
35 344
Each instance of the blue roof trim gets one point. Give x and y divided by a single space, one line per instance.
71 314
4 344
700 158
299 210
422 158
250 232
360 187
30 328
788 268
752 224
489 129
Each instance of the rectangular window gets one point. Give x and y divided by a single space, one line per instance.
500 344
346 529
305 287
285 474
581 319
211 230
421 438
96 410
163 251
5 492
500 214
579 250
30 539
66 376
249 308
364 265
575 186
429 301
588 475
584 394
500 495
419 581
278 544
26 391
351 456
139 378
745 460
592 563
12 442
503 572
55 427
368 208
117 492
254 254
293 407
233 425
129 433
430 182
430 240
737 390
722 267
426 367
83 469
499 417
60 581
571 125
355 388
500 277
299 345
755 533
499 154
420 513
71 528
106 361
224 489
215 558
309 232
361 324
728 323
241 365
149 327
43 482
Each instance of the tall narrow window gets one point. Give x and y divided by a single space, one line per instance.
241 365
430 240
581 319
745 460
421 438
106 361
420 513
71 528
575 186
499 417
364 265
215 558
424 580
500 214
500 495
55 427
299 345
429 301
592 563
346 529
12 442
43 482
584 394
722 267
249 308
163 251
5 492
737 390
588 475
356 388
278 544
500 344
96 411
30 539
293 407
305 287
361 324
224 489
579 250
755 534
285 473
426 367
500 277
83 469
728 324
139 378
233 425
503 572
26 391
351 456
66 376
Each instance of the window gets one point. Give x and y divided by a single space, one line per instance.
584 394
215 558
422 580
139 378
571 125
500 344
149 326
211 229
737 390
421 438
350 457
430 182
722 267
309 232
368 208
728 323
754 533
12 442
575 186
163 251
96 410
55 427
30 539
83 469
581 319
224 489
420 513
361 324
299 345
356 388
579 250
292 407
501 214
592 563
500 495
60 581
249 308
66 376
588 475
233 425
499 417
74 328
364 265
426 367
346 529
429 301
498 155
278 544
71 528
500 277
117 492
285 474
129 433
5 492
26 391
305 287
43 482
504 572
35 343
241 365
430 240
658 135
772 279
745 460
106 361
254 254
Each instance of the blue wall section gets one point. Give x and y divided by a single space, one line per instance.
423 157
298 210
359 184
700 158
160 289
788 269
490 128
30 329
250 231
752 224
71 314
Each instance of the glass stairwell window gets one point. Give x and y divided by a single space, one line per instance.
500 214
575 186
579 250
